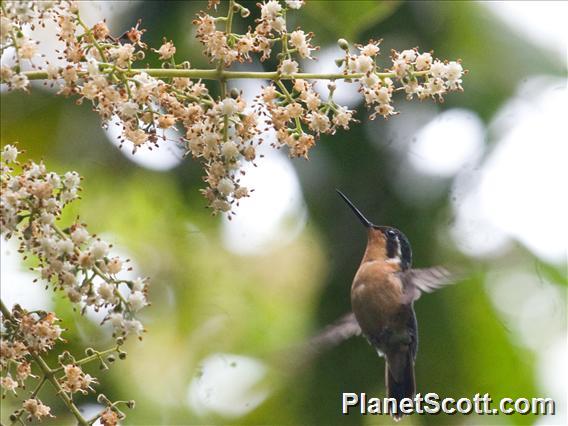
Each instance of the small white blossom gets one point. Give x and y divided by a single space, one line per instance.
122 55
225 186
364 63
370 49
230 150
68 195
19 81
438 69
128 109
294 4
408 55
9 384
99 249
114 265
279 24
71 180
137 300
117 320
134 326
79 235
221 205
10 153
27 49
454 72
6 28
319 122
288 67
166 50
138 284
423 61
370 80
270 9
228 106
106 291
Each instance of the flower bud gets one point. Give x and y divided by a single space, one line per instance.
234 93
343 44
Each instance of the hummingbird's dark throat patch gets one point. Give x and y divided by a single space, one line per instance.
397 247
392 247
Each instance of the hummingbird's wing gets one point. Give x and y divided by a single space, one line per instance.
302 355
426 280
335 333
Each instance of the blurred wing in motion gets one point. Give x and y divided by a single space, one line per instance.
426 280
301 356
335 333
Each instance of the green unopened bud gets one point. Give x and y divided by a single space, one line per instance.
343 44
140 55
234 93
245 12
111 358
131 404
339 62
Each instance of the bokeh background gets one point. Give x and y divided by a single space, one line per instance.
478 181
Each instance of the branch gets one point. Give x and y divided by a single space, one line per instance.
216 74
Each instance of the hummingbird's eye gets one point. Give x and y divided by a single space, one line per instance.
391 233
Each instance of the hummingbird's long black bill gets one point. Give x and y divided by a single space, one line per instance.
362 218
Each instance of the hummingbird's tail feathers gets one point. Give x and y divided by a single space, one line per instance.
399 379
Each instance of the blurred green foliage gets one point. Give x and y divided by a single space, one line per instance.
207 300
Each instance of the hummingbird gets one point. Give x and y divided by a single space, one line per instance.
382 296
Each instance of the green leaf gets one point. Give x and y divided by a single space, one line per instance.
350 18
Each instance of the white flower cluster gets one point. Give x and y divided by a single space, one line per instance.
414 72
220 132
36 409
25 338
26 333
75 380
289 109
222 136
73 260
228 48
14 15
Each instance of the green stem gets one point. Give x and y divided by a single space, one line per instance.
86 360
216 74
221 72
92 37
